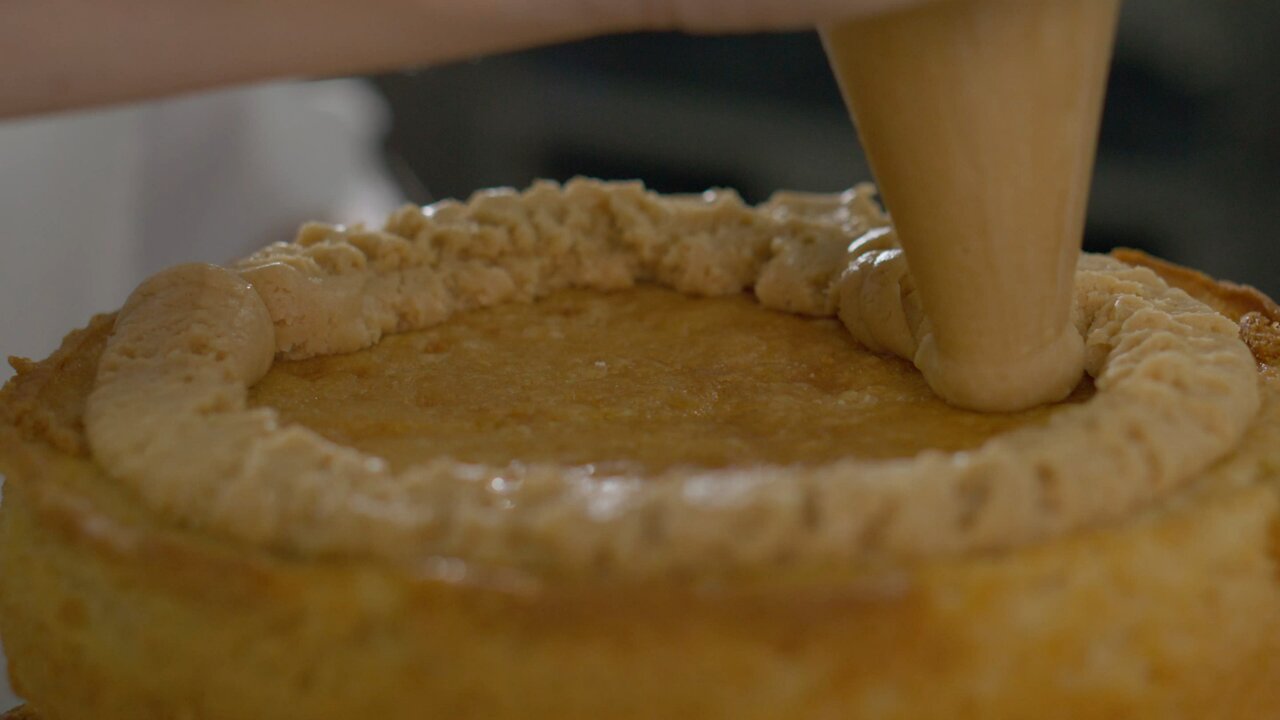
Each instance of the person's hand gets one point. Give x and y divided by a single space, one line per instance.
69 53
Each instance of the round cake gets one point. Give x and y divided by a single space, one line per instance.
585 451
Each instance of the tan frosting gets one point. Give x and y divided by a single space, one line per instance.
980 119
1176 388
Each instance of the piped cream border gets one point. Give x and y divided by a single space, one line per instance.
1176 389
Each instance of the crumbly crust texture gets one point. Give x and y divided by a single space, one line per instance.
1177 389
110 609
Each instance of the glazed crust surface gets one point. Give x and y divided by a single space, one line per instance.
109 612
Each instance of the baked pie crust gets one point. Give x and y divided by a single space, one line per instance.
173 548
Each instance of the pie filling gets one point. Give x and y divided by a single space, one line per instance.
636 381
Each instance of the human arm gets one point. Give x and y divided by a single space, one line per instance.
63 54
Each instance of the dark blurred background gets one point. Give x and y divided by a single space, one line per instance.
1189 164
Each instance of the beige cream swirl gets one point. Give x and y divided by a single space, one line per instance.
878 303
167 416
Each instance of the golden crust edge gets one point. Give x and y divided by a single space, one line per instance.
288 589
84 524
1257 314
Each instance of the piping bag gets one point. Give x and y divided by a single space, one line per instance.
980 121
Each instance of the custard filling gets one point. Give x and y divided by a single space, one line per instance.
640 380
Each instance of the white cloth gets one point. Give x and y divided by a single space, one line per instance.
92 203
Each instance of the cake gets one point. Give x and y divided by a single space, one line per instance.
588 451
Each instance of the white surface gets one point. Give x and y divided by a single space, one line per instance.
93 203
